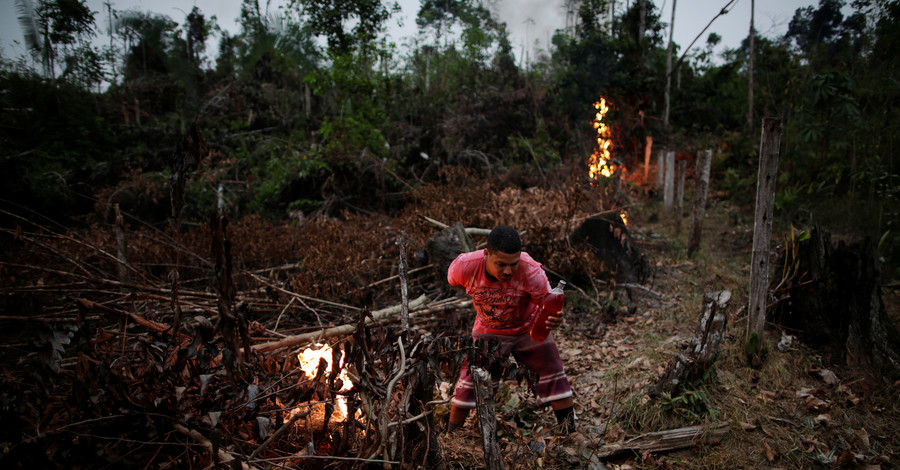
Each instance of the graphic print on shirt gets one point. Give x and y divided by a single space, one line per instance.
500 307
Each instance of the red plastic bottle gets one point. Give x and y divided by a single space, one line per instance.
551 305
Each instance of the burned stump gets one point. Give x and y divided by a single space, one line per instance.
830 295
612 245
445 246
691 364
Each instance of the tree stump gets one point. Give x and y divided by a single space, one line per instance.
487 418
445 246
830 295
612 244
691 364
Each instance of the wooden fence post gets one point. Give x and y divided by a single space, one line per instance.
669 194
660 167
766 180
679 195
648 148
487 418
701 189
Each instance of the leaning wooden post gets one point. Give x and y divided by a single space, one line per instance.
769 146
648 148
669 194
701 189
679 195
487 418
121 244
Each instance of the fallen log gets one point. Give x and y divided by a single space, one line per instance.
691 365
341 330
663 441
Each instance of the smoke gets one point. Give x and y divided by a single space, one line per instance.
530 23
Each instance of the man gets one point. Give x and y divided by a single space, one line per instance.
507 287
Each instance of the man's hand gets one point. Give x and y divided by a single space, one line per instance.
553 322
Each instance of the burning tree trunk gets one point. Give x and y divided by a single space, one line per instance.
831 297
691 365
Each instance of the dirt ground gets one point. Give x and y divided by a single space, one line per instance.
792 412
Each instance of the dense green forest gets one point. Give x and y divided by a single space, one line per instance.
309 110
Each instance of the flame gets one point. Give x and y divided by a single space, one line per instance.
309 363
599 164
624 216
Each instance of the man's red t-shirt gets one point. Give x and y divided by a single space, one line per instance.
503 308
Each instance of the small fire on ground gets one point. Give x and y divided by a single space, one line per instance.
309 363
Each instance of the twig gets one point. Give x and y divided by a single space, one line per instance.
634 286
385 168
202 440
278 320
395 276
583 293
295 340
421 415
299 296
614 210
404 293
330 457
469 230
384 419
284 427
156 326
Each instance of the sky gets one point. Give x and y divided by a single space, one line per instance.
528 21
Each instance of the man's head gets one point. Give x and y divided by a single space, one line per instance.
502 253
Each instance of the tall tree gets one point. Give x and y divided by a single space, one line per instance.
58 32
750 68
346 24
671 50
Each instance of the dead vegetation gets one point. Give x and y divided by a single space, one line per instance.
100 370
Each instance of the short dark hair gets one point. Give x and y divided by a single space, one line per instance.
504 238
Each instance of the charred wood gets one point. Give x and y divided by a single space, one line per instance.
830 295
691 364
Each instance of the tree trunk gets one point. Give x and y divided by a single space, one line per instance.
648 149
669 67
750 69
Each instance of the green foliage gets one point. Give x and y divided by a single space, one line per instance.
52 141
330 18
691 405
286 182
